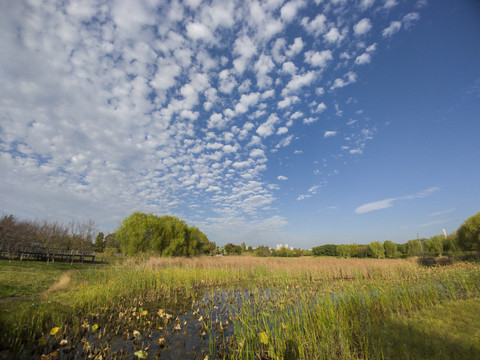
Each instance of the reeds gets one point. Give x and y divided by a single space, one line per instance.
239 307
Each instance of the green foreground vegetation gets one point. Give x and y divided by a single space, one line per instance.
242 308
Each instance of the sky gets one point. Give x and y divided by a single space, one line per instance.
264 122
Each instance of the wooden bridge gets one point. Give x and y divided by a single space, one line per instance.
48 254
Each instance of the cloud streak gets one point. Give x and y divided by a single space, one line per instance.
387 203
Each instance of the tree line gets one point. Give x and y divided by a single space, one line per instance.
18 234
171 236
466 238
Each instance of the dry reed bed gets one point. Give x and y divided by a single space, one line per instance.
325 268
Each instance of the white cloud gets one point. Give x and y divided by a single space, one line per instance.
329 133
256 153
244 47
282 178
392 29
365 58
284 142
310 120
383 204
289 10
362 27
262 67
217 121
289 67
365 4
332 36
348 79
247 101
318 59
299 81
316 26
268 127
321 107
198 31
227 81
443 212
295 48
390 4
296 115
376 205
409 19
282 130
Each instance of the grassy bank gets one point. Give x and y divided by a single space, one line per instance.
239 307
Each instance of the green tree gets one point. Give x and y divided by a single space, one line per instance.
376 249
354 250
434 245
414 248
390 249
111 242
162 235
344 251
262 251
100 242
325 250
468 234
450 243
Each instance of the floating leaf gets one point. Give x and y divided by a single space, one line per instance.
263 338
94 327
177 327
54 330
161 342
141 354
137 334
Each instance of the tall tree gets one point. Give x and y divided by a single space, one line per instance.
468 234
390 249
376 249
100 242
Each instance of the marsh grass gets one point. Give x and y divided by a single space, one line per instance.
240 307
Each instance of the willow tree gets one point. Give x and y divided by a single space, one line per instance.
161 235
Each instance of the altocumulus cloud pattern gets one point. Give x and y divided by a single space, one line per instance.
185 108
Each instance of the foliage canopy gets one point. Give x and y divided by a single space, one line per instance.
468 233
162 235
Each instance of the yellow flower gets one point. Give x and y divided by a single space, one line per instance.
54 330
144 313
160 312
263 338
94 327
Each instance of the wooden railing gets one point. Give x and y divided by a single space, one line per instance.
48 254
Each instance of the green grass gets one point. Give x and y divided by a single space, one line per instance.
447 331
27 279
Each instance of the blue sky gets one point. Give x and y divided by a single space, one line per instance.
306 122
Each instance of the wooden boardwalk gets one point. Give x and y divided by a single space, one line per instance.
48 254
